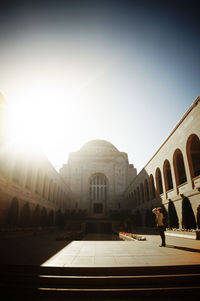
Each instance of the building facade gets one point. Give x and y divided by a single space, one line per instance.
99 180
174 170
98 174
32 192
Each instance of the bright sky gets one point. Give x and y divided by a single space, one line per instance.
122 71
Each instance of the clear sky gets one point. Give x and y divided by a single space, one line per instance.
122 71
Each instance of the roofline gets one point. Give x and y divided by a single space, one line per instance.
194 104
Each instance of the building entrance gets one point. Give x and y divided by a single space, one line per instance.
98 228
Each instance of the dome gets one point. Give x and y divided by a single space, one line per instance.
95 145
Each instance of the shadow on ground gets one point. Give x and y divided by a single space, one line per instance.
31 250
183 248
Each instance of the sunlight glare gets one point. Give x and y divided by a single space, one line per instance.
39 120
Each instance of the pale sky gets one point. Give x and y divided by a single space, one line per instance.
122 71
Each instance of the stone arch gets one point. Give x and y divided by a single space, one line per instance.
159 184
138 195
179 167
193 155
135 197
152 187
142 192
167 175
146 190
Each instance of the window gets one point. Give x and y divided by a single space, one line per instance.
98 188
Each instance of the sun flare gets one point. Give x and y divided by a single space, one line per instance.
39 120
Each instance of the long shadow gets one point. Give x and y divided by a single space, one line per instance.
183 248
33 250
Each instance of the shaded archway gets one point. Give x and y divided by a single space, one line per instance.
159 185
152 187
179 167
142 192
167 175
138 195
193 154
146 190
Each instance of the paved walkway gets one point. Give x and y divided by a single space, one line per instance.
88 253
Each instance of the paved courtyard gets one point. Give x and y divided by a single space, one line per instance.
88 253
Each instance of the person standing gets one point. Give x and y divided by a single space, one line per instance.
160 224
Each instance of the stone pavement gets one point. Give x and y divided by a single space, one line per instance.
88 253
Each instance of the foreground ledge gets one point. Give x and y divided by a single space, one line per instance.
191 235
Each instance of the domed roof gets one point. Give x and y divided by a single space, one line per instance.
98 144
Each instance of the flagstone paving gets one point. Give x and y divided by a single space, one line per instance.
87 253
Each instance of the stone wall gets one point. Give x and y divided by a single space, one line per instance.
174 170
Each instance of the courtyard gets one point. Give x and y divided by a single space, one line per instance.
97 250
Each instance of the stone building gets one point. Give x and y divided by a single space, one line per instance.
32 192
99 180
98 174
173 170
